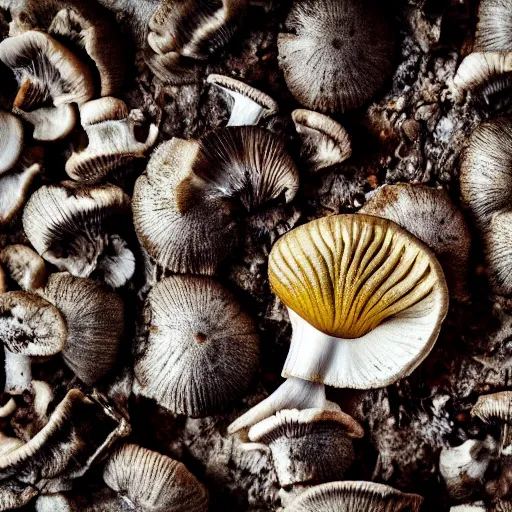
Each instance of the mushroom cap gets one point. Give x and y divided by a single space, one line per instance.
30 325
337 54
45 70
154 482
354 497
428 214
498 252
50 123
360 286
324 142
103 109
11 140
312 445
25 266
77 228
496 406
200 349
95 320
494 27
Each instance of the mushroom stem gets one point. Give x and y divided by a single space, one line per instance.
245 111
18 373
292 394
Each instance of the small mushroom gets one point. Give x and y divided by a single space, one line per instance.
353 285
249 104
186 206
25 266
95 321
152 482
11 141
29 326
80 229
50 123
463 467
429 215
493 27
112 143
354 497
200 349
309 446
336 54
324 142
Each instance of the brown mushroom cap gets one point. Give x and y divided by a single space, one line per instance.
24 265
153 482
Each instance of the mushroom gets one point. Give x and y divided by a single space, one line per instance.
324 142
336 54
29 326
200 349
493 27
186 205
25 266
88 29
9 407
463 467
309 446
249 104
112 143
80 229
57 502
471 507
354 287
50 123
11 141
95 320
152 482
354 497
497 408
429 215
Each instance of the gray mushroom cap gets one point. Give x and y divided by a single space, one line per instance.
199 350
11 141
24 265
337 53
153 482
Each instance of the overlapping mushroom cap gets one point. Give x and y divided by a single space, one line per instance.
354 497
153 482
375 295
200 349
337 53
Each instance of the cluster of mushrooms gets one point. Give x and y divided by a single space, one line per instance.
366 293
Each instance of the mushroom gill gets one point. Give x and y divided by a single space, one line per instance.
336 54
494 27
152 482
199 350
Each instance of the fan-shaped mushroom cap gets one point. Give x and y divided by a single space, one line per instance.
312 445
249 104
200 349
11 140
95 320
50 123
29 326
183 205
46 71
112 141
494 27
78 229
83 26
25 266
337 54
354 497
324 142
429 215
153 482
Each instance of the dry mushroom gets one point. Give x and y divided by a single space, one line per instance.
324 142
185 204
152 482
11 141
429 215
355 287
95 321
354 497
336 54
81 229
493 27
308 446
25 266
111 140
200 349
29 327
249 104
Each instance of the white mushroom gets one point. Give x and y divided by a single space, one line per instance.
11 141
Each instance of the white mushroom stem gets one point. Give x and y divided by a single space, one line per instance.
292 394
245 111
18 372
